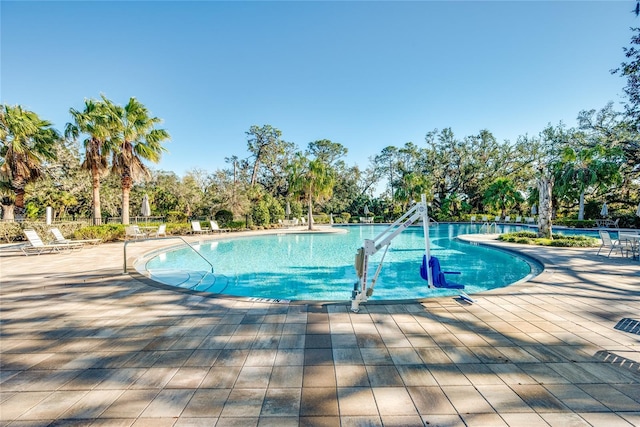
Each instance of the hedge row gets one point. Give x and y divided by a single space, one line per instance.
558 240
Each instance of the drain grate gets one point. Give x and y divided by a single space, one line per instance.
629 325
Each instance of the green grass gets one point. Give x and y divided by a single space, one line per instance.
558 240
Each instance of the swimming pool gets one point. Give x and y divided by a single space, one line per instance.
319 266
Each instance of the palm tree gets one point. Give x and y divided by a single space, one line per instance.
312 179
26 141
577 171
452 205
502 194
134 138
410 186
93 121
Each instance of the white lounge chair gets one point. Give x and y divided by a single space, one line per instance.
608 242
133 231
59 238
215 228
162 230
518 220
196 228
507 218
37 246
473 219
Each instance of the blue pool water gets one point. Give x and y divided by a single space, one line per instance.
320 266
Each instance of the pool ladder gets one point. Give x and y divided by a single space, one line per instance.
486 227
164 238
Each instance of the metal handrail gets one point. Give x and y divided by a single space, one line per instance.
163 238
487 227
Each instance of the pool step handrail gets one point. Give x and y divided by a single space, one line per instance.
162 238
488 226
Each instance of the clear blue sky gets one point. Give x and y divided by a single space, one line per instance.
364 74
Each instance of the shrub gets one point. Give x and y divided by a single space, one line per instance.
224 217
11 231
321 218
629 220
176 216
525 234
559 240
260 213
107 232
523 240
236 225
276 211
177 228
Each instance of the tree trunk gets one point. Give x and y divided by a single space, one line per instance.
7 212
581 209
126 189
310 214
256 165
95 184
18 189
545 208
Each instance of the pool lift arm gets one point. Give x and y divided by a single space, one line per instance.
361 290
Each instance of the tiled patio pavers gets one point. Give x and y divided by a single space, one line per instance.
83 344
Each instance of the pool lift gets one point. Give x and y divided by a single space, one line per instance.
419 211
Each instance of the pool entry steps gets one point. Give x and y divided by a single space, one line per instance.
362 290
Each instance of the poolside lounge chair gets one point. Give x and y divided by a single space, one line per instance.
518 220
473 219
507 218
37 246
608 242
162 230
196 228
59 238
216 228
439 281
497 218
133 231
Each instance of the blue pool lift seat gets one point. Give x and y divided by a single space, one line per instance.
439 280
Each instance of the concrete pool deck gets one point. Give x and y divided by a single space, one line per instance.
84 344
